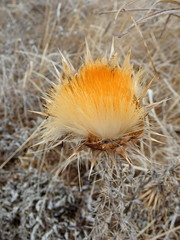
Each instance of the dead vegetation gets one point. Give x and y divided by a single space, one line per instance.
140 202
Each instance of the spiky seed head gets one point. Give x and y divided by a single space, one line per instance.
153 195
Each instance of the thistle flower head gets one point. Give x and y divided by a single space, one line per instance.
100 104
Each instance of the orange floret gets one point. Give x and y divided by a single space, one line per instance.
101 100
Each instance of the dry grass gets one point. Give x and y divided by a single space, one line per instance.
134 203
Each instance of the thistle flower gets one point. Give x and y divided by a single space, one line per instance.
100 105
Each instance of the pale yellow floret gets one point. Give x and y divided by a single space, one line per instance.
100 100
